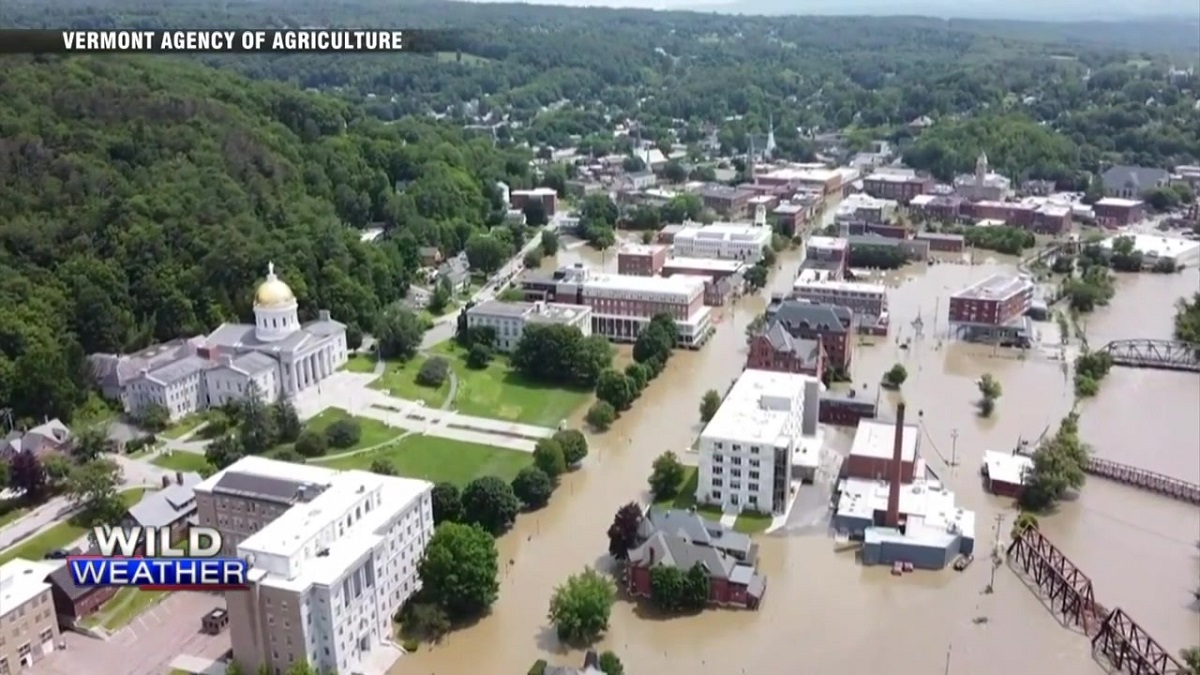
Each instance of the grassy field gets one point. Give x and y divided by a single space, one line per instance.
441 460
181 460
185 425
374 432
122 608
59 536
360 363
400 380
748 522
500 393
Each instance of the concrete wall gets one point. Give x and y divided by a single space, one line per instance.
921 557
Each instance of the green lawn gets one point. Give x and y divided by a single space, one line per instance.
374 432
181 460
360 363
122 608
188 423
441 460
399 379
752 523
499 392
747 522
58 537
686 497
10 510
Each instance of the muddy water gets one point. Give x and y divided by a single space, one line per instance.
824 613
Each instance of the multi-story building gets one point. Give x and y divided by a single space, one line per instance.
509 319
723 279
1187 175
749 448
547 196
1114 212
28 622
984 185
622 305
773 348
901 185
816 177
943 243
790 216
944 208
641 260
831 325
276 356
333 556
995 301
730 241
827 254
860 207
869 300
730 202
873 451
1131 182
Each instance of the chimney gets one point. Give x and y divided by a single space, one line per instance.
893 512
323 315
166 481
179 478
652 557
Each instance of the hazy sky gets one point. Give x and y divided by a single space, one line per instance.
1013 9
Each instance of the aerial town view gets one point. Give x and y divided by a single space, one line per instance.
607 340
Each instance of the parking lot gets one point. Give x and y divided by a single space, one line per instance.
147 645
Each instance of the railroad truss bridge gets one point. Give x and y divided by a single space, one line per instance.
1115 636
1160 354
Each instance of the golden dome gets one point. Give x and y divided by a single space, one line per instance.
273 292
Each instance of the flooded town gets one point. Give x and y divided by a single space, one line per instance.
833 614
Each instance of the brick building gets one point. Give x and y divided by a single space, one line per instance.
901 185
730 202
775 349
871 455
1113 212
996 301
943 243
72 602
547 196
828 324
846 409
641 260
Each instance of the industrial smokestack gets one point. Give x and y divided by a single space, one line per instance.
893 512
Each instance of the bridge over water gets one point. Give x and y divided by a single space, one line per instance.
1158 354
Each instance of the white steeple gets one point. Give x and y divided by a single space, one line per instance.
770 135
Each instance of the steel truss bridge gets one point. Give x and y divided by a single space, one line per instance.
1160 354
1115 636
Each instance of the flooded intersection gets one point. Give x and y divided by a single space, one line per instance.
822 611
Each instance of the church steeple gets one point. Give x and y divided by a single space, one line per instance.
770 135
750 162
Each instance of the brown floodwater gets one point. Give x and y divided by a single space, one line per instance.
822 611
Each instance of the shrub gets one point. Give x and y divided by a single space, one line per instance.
410 645
433 372
343 433
311 444
601 415
479 356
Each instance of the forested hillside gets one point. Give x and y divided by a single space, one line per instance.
141 199
676 72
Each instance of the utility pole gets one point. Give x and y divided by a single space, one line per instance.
949 648
996 551
954 447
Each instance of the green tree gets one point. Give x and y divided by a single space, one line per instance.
533 259
486 252
574 445
639 375
895 377
344 433
756 277
4 475
667 475
535 213
223 451
1191 658
709 404
399 333
490 503
581 606
548 456
696 588
1024 521
610 664
287 420
89 443
440 298
533 487
668 587
154 418
601 415
1187 320
479 356
616 389
623 533
93 488
460 570
27 476
257 431
447 503
433 372
311 444
549 243
57 469
425 620
990 390
383 467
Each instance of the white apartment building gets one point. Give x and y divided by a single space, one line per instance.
509 319
868 300
329 573
731 241
764 436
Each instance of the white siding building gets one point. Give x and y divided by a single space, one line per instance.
760 440
509 319
730 241
339 565
277 353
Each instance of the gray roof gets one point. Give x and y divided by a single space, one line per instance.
178 370
874 240
514 310
1135 177
51 433
241 337
825 318
266 488
62 579
168 505
457 269
667 549
808 352
254 362
695 528
114 370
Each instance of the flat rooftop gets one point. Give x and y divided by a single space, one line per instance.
893 176
1007 467
22 580
805 174
731 231
641 249
929 506
875 438
706 264
262 467
850 287
995 287
828 243
1154 245
629 282
922 200
545 312
1119 203
759 409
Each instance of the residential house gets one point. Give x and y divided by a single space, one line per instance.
49 437
173 506
1130 182
430 256
828 324
775 349
73 603
457 271
683 539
